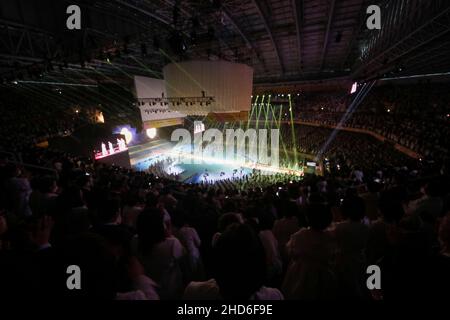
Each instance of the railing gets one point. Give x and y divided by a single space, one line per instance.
404 150
32 166
17 160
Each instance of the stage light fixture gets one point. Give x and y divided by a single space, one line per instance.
128 135
151 133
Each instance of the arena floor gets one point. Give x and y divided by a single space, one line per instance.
190 170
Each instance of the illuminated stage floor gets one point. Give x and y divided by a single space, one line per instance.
197 173
146 155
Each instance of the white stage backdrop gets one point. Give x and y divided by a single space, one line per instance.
149 87
230 84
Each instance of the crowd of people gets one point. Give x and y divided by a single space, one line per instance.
145 236
25 123
136 235
414 116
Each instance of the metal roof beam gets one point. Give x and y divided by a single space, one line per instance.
297 7
244 37
327 34
269 32
145 12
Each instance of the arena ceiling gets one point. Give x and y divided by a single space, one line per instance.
285 41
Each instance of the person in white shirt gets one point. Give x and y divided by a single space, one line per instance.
285 227
270 244
160 254
131 211
188 236
351 236
225 220
138 285
310 275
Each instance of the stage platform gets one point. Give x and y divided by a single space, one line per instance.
184 167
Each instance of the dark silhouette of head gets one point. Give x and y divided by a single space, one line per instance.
150 229
240 267
353 208
319 216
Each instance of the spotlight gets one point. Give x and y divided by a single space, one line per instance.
151 133
128 135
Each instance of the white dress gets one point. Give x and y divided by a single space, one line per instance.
191 241
273 257
162 264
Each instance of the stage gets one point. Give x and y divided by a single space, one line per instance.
161 157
